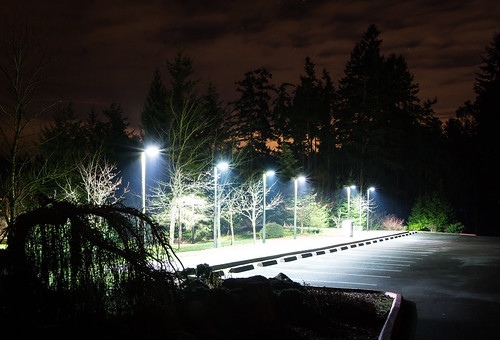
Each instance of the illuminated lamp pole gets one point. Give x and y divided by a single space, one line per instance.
264 176
368 207
296 181
150 151
349 200
222 166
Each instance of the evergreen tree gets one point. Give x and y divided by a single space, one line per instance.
310 115
472 136
386 134
254 124
182 89
154 117
216 117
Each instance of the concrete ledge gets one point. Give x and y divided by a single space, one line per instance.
392 320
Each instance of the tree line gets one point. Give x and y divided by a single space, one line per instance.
369 128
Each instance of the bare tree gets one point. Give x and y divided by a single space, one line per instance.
229 201
99 183
250 198
22 67
187 161
171 200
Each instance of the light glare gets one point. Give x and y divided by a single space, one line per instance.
152 150
223 166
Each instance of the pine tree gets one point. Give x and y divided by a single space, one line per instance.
253 119
155 118
386 135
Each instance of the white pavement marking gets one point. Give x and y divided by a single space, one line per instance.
384 258
342 282
376 263
336 273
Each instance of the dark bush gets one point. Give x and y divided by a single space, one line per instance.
273 230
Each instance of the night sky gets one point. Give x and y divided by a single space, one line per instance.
107 51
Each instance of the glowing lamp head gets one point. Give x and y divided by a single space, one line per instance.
223 166
152 151
269 173
301 179
371 189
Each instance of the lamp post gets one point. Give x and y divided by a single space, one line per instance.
149 151
301 179
222 166
264 176
368 207
349 200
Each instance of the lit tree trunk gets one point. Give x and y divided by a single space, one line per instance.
173 212
179 237
231 226
254 222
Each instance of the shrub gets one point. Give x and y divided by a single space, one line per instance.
273 230
456 228
430 212
391 222
202 233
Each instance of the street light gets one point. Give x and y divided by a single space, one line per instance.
149 151
368 207
264 176
223 166
301 179
349 200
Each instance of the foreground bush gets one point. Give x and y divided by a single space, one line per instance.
68 263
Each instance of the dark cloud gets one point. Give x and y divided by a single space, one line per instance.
108 50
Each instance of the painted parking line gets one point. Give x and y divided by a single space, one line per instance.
383 258
340 282
338 273
361 268
378 263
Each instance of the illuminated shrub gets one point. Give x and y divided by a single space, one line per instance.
432 213
273 230
391 222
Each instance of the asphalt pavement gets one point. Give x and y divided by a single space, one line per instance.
453 293
231 256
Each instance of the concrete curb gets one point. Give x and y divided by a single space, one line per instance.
391 323
243 265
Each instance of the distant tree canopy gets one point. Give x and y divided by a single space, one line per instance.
369 127
473 147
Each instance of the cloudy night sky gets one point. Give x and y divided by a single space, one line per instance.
107 51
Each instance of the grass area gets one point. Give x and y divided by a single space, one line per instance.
248 239
225 242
